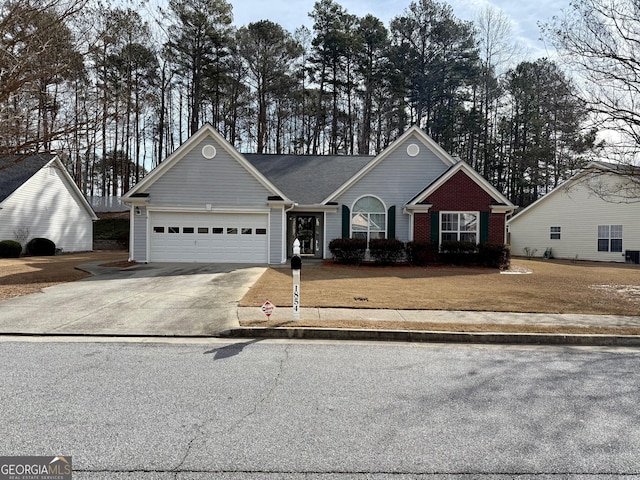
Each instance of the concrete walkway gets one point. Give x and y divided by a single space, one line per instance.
440 316
436 316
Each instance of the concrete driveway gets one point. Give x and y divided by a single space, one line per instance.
153 299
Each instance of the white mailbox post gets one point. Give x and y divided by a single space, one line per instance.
296 265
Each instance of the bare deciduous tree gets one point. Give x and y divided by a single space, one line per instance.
600 41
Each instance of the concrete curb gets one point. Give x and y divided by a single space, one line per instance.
434 337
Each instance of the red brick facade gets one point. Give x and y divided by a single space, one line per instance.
459 194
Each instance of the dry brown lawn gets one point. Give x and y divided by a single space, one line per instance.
553 286
21 276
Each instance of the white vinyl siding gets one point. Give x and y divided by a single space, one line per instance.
580 212
47 206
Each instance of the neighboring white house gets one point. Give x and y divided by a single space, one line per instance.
592 216
38 198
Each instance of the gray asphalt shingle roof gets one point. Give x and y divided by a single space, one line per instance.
308 179
15 170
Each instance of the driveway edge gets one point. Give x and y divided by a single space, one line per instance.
433 336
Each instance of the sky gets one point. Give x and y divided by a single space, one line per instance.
524 15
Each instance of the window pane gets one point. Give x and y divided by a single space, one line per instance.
173 229
232 231
360 222
246 231
554 233
603 232
616 231
188 230
616 244
360 235
450 222
217 230
603 245
158 229
203 229
377 221
368 204
468 237
449 237
374 235
261 231
468 222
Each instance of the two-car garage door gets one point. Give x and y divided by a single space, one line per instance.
209 237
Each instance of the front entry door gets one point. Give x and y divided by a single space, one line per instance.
305 232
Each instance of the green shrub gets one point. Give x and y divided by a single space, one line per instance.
111 229
41 247
386 251
421 253
10 249
494 255
348 250
459 253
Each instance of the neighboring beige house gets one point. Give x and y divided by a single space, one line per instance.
595 215
38 198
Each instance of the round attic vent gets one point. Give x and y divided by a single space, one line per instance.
413 150
209 151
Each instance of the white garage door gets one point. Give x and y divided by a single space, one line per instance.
208 237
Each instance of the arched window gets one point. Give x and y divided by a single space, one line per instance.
368 219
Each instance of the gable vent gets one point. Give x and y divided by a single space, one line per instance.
413 150
209 151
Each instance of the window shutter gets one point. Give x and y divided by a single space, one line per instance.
484 227
391 222
346 222
435 228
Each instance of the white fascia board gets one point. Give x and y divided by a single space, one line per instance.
72 187
315 208
183 149
204 209
137 201
426 140
502 209
421 208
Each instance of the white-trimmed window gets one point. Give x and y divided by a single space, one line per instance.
459 227
610 238
368 219
555 233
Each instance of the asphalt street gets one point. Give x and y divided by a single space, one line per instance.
281 409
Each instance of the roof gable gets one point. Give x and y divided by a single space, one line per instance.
15 170
205 131
418 134
465 168
593 169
